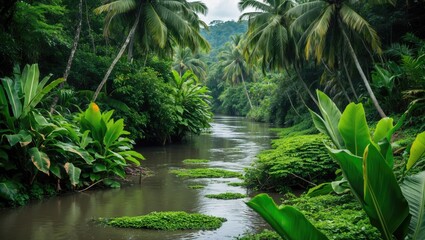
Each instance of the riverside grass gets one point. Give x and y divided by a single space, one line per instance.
170 221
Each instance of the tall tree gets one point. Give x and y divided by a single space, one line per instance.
184 60
158 25
269 38
331 25
236 67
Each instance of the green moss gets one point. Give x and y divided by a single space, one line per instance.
205 173
294 162
197 186
195 161
226 196
237 184
167 221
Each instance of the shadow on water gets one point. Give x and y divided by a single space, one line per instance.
232 144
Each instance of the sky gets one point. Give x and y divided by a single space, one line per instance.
221 10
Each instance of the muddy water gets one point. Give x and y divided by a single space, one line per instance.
232 144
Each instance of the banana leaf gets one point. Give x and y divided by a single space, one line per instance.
287 221
73 173
413 188
384 202
353 128
40 160
416 151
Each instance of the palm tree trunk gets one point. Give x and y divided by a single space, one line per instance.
119 55
292 105
246 91
349 80
71 56
337 80
305 85
363 76
89 28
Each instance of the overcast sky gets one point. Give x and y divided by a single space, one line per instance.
221 10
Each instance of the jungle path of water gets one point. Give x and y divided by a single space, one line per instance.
232 144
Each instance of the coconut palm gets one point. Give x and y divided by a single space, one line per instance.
157 26
331 25
236 67
269 38
184 60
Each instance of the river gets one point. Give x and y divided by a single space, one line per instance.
232 144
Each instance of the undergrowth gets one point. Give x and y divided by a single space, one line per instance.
297 161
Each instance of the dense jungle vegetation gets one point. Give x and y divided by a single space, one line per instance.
83 81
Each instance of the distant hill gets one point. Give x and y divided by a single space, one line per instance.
219 33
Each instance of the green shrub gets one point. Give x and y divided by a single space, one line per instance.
167 221
226 196
296 161
263 235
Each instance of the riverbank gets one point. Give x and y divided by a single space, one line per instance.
289 166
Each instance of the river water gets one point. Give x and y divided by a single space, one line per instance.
231 144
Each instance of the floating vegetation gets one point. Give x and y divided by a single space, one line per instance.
195 161
205 173
237 184
226 196
167 221
197 186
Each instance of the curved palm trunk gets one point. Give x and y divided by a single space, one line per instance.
363 76
246 91
305 86
119 55
292 105
350 81
71 56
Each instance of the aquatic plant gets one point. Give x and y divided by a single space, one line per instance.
167 221
226 196
195 161
205 173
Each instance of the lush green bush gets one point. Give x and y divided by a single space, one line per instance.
233 101
294 162
167 221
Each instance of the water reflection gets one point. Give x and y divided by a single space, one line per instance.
232 144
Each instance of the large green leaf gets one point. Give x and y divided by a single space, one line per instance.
416 151
71 148
13 97
40 160
114 131
331 116
30 79
93 115
23 138
40 94
353 128
351 166
385 204
8 190
383 127
413 188
73 173
287 221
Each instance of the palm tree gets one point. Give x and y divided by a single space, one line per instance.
327 25
184 60
269 38
157 25
236 68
